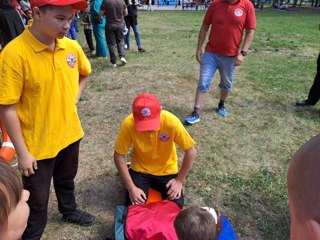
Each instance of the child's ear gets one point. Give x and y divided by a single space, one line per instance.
314 229
36 11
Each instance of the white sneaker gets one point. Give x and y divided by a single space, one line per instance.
112 65
123 60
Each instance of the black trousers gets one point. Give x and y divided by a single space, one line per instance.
63 169
115 42
145 181
88 33
314 93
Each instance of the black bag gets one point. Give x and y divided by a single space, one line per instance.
97 19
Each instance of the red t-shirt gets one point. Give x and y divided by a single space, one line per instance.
227 24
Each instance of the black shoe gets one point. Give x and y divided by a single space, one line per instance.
79 217
141 50
302 103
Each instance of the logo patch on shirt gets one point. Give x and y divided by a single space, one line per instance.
145 112
71 60
238 12
164 137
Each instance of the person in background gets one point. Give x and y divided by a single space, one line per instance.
87 28
14 210
11 24
98 29
132 20
222 51
72 32
314 92
115 11
26 8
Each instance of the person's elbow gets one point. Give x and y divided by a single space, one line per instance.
192 152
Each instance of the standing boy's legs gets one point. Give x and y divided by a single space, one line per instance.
63 169
38 185
64 172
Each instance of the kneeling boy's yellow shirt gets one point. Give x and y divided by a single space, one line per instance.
154 152
44 84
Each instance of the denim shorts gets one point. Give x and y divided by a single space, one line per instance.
210 62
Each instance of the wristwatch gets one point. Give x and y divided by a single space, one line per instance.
244 53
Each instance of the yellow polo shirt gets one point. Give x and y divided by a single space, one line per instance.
44 84
154 152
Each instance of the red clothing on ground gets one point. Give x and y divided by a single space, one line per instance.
227 24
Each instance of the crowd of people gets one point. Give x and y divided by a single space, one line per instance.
110 39
150 132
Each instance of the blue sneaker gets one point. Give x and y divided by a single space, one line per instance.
192 119
222 111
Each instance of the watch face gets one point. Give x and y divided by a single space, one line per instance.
243 53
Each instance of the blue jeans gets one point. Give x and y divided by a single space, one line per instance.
135 29
72 32
210 62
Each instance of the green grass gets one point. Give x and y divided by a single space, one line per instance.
242 159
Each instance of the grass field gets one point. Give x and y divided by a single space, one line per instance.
242 159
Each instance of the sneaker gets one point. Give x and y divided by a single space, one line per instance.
112 65
79 217
126 47
222 111
93 52
123 60
302 103
192 119
141 49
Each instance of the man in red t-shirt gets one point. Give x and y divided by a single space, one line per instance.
228 20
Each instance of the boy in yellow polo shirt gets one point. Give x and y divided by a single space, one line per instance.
42 77
153 133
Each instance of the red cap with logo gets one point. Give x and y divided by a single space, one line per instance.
146 111
76 4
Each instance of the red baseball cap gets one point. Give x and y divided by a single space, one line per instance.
76 4
146 111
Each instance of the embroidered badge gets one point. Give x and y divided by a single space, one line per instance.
238 12
71 60
145 112
164 137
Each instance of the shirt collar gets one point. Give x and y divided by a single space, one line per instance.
38 46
